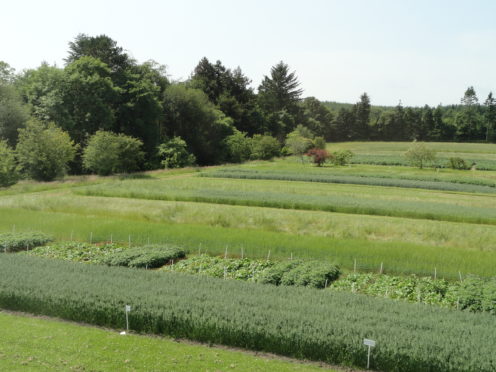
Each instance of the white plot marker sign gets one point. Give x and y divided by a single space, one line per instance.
370 343
127 309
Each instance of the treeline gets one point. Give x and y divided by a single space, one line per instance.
469 121
214 116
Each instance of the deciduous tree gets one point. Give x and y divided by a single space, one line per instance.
44 151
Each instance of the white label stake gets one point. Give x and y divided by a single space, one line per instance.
128 309
369 343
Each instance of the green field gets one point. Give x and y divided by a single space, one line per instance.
430 222
37 344
315 324
392 153
345 198
407 229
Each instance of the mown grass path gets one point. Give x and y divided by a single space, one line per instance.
41 344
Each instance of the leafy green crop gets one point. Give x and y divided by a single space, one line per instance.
13 242
472 294
299 322
314 274
77 251
149 256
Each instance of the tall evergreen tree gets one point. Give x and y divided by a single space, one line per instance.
468 120
318 118
490 118
281 93
230 91
361 127
427 123
342 127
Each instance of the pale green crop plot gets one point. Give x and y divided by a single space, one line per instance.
296 222
344 198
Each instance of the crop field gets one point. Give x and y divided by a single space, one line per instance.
297 322
391 153
368 219
345 198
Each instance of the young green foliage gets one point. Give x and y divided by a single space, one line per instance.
264 147
149 256
419 155
13 242
109 153
175 154
44 151
8 166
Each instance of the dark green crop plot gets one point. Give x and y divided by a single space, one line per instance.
376 159
350 179
299 322
13 242
148 256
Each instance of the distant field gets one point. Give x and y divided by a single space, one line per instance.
478 149
392 153
37 344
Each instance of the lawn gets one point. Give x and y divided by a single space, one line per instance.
35 344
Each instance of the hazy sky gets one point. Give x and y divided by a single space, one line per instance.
417 51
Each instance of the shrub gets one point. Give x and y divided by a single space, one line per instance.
13 242
319 143
274 274
175 154
44 152
149 256
318 156
238 147
342 157
419 154
314 274
264 147
297 145
109 153
457 163
8 166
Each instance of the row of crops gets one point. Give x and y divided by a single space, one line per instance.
435 205
484 187
394 257
472 293
376 159
304 323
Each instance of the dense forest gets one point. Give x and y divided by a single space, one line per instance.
214 116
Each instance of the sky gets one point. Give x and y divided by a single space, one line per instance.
417 51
